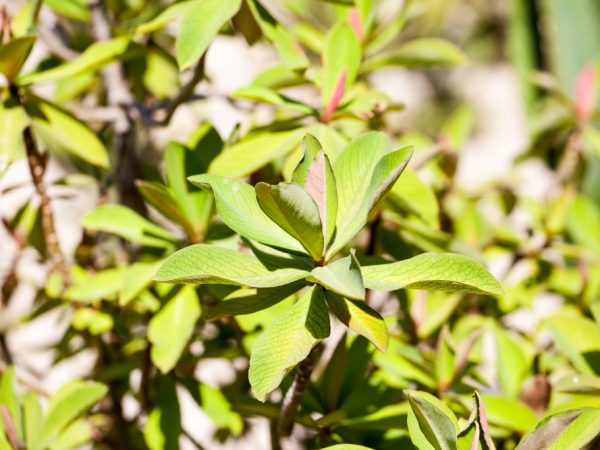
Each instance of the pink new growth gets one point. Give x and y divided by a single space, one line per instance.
356 23
336 96
585 87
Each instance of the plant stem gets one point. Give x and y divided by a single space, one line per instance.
292 398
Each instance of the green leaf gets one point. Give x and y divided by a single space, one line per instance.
573 429
248 301
61 132
13 55
583 216
13 121
508 413
172 327
430 423
353 170
200 25
579 339
70 402
167 15
163 425
294 210
128 224
578 384
136 278
33 419
266 95
342 50
9 399
314 172
74 436
162 199
216 406
95 57
346 447
432 271
360 318
410 195
74 9
238 208
93 287
209 264
342 277
420 52
291 53
253 152
288 341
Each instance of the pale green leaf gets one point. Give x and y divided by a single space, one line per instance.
266 95
287 341
295 211
579 339
61 132
209 264
360 318
166 16
92 287
583 216
75 9
342 51
412 196
432 271
172 327
9 398
216 406
420 52
33 420
238 208
310 149
353 170
136 278
69 403
253 152
342 277
13 121
93 58
74 436
13 55
385 174
161 198
128 224
200 25
430 423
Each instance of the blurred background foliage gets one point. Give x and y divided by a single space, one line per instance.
107 106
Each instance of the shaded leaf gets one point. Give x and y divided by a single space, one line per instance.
238 208
13 55
163 425
360 318
294 210
287 341
430 423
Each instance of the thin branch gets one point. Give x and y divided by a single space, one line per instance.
291 401
569 162
185 93
192 440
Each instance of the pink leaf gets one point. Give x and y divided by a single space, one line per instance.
585 93
475 441
336 97
356 23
